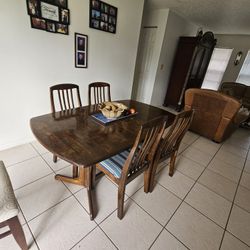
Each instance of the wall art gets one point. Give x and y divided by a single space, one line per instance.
81 50
49 15
102 16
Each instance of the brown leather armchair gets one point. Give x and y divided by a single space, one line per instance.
216 115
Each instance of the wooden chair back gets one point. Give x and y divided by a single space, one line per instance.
172 138
169 144
142 153
99 92
67 93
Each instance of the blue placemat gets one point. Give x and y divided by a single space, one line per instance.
102 119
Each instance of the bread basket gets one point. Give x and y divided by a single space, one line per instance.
112 110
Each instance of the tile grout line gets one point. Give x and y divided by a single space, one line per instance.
33 157
108 237
74 244
130 197
189 190
55 172
230 212
53 206
164 227
157 222
26 223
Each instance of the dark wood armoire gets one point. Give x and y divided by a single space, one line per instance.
189 67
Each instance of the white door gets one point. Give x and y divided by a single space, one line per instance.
144 78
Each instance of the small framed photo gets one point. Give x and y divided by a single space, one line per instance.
102 16
95 4
33 7
111 28
81 50
104 8
104 26
62 3
64 16
95 24
96 14
112 11
38 23
62 28
51 26
49 11
112 20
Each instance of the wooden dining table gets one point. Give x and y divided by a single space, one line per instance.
76 137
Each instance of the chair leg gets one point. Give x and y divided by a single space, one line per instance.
121 195
17 231
152 177
54 158
147 175
75 171
172 163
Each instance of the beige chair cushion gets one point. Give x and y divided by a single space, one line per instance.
8 204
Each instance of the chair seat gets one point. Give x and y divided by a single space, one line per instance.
8 204
115 163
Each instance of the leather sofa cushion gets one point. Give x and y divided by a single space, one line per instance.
236 90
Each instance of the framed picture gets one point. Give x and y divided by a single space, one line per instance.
49 11
64 16
38 23
95 4
81 50
102 16
51 26
62 28
49 15
33 7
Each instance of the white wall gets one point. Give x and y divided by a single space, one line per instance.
237 43
170 28
176 27
32 60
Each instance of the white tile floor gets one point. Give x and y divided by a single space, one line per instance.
205 205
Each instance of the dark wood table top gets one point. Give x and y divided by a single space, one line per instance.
78 138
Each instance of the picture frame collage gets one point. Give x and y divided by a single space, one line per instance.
49 15
102 16
81 50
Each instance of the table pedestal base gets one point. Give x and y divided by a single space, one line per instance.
85 178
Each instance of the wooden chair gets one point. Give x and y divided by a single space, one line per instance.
68 98
99 92
170 142
127 165
9 210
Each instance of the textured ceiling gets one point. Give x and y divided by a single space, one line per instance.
219 16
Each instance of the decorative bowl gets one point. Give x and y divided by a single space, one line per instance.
112 110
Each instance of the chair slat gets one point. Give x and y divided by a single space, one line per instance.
64 101
72 98
60 99
69 105
99 92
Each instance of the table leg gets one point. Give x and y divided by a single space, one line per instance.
90 182
85 178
